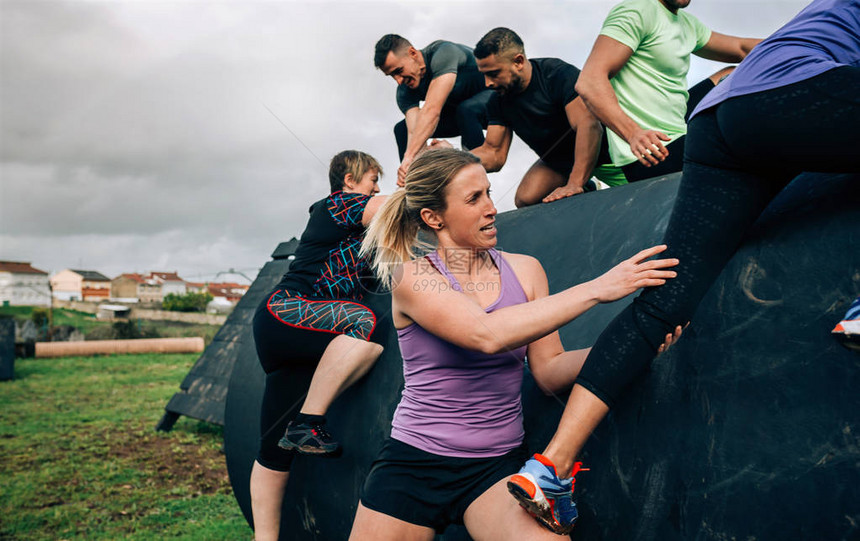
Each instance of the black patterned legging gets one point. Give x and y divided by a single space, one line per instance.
739 155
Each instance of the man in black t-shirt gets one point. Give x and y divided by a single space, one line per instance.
536 100
445 77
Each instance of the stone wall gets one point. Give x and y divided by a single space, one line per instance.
139 312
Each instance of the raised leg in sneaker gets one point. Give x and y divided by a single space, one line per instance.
309 439
546 497
848 330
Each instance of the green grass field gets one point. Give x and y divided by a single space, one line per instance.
81 458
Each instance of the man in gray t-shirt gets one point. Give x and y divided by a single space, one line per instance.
445 77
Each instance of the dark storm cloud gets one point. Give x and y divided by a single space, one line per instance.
191 133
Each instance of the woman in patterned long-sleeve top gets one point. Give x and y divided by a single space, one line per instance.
314 320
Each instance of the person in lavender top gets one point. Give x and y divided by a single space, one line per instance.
466 316
791 106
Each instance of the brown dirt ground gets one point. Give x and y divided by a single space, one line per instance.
172 460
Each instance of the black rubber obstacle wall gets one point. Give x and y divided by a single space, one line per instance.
203 391
746 429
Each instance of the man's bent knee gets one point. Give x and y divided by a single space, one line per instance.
526 200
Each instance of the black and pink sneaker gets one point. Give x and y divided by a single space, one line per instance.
309 439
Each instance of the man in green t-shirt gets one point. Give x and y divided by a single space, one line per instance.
634 80
445 77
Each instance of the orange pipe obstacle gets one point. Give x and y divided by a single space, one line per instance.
113 347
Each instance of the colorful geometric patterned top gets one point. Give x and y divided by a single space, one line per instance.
326 262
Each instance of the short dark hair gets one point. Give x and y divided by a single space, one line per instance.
350 161
499 40
389 43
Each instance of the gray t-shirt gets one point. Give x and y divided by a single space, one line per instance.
443 57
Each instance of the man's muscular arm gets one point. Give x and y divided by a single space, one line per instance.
589 132
607 57
422 123
723 48
494 151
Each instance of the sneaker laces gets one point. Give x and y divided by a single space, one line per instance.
319 431
577 467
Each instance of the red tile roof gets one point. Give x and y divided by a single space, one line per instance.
20 267
233 285
231 291
133 276
165 276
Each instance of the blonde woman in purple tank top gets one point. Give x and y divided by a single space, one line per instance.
466 316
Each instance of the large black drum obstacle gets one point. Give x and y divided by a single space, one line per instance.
749 428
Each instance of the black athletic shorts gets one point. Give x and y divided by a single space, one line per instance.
560 166
431 490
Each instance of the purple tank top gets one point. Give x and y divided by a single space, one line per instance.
458 402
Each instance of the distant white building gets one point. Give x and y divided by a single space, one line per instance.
227 292
80 285
23 285
170 282
225 295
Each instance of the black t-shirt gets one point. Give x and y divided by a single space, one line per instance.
326 262
537 114
443 57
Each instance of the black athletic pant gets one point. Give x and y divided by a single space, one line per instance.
740 154
468 119
675 161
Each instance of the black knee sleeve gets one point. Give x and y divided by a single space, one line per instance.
401 135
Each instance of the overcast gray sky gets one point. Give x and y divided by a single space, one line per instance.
192 135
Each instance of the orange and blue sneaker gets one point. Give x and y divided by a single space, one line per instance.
547 498
309 439
848 330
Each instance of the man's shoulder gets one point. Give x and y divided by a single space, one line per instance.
689 18
637 5
631 21
446 57
441 44
556 77
550 66
639 10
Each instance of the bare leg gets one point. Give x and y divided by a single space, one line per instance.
267 495
375 526
344 362
582 414
495 516
538 182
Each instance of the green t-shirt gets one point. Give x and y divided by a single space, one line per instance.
652 86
